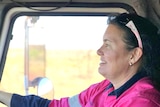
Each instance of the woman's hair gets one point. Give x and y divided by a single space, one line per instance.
147 35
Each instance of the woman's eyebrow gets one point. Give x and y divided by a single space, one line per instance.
106 40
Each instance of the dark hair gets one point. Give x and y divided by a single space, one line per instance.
150 41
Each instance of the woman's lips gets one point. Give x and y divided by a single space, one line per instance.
102 62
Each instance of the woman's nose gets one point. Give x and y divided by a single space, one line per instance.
99 51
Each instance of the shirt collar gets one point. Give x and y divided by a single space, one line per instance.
127 85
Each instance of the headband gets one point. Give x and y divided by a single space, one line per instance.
133 28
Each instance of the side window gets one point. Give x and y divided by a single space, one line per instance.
53 56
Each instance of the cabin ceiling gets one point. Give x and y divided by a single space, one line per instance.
146 8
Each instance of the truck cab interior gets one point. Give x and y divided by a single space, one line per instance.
48 46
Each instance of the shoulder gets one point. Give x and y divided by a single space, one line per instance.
97 87
141 93
144 88
101 85
148 91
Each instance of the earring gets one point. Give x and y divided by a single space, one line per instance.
130 63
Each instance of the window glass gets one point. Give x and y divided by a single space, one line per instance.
59 48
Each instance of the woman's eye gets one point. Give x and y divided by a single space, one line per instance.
106 45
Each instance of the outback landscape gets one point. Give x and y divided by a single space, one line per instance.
71 71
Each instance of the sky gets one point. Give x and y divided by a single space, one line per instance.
60 32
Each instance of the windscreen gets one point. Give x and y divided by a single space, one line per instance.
59 48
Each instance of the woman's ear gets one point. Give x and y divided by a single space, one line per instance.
136 55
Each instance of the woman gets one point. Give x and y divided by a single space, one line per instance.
130 63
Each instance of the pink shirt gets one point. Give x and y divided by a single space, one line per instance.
140 93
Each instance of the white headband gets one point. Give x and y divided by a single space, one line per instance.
133 28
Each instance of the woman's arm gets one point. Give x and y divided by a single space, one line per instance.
15 100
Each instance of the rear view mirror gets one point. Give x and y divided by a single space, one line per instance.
44 85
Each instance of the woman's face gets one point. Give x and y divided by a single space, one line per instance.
113 54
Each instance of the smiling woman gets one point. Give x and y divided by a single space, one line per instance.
48 48
129 63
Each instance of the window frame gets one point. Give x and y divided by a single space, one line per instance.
12 11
